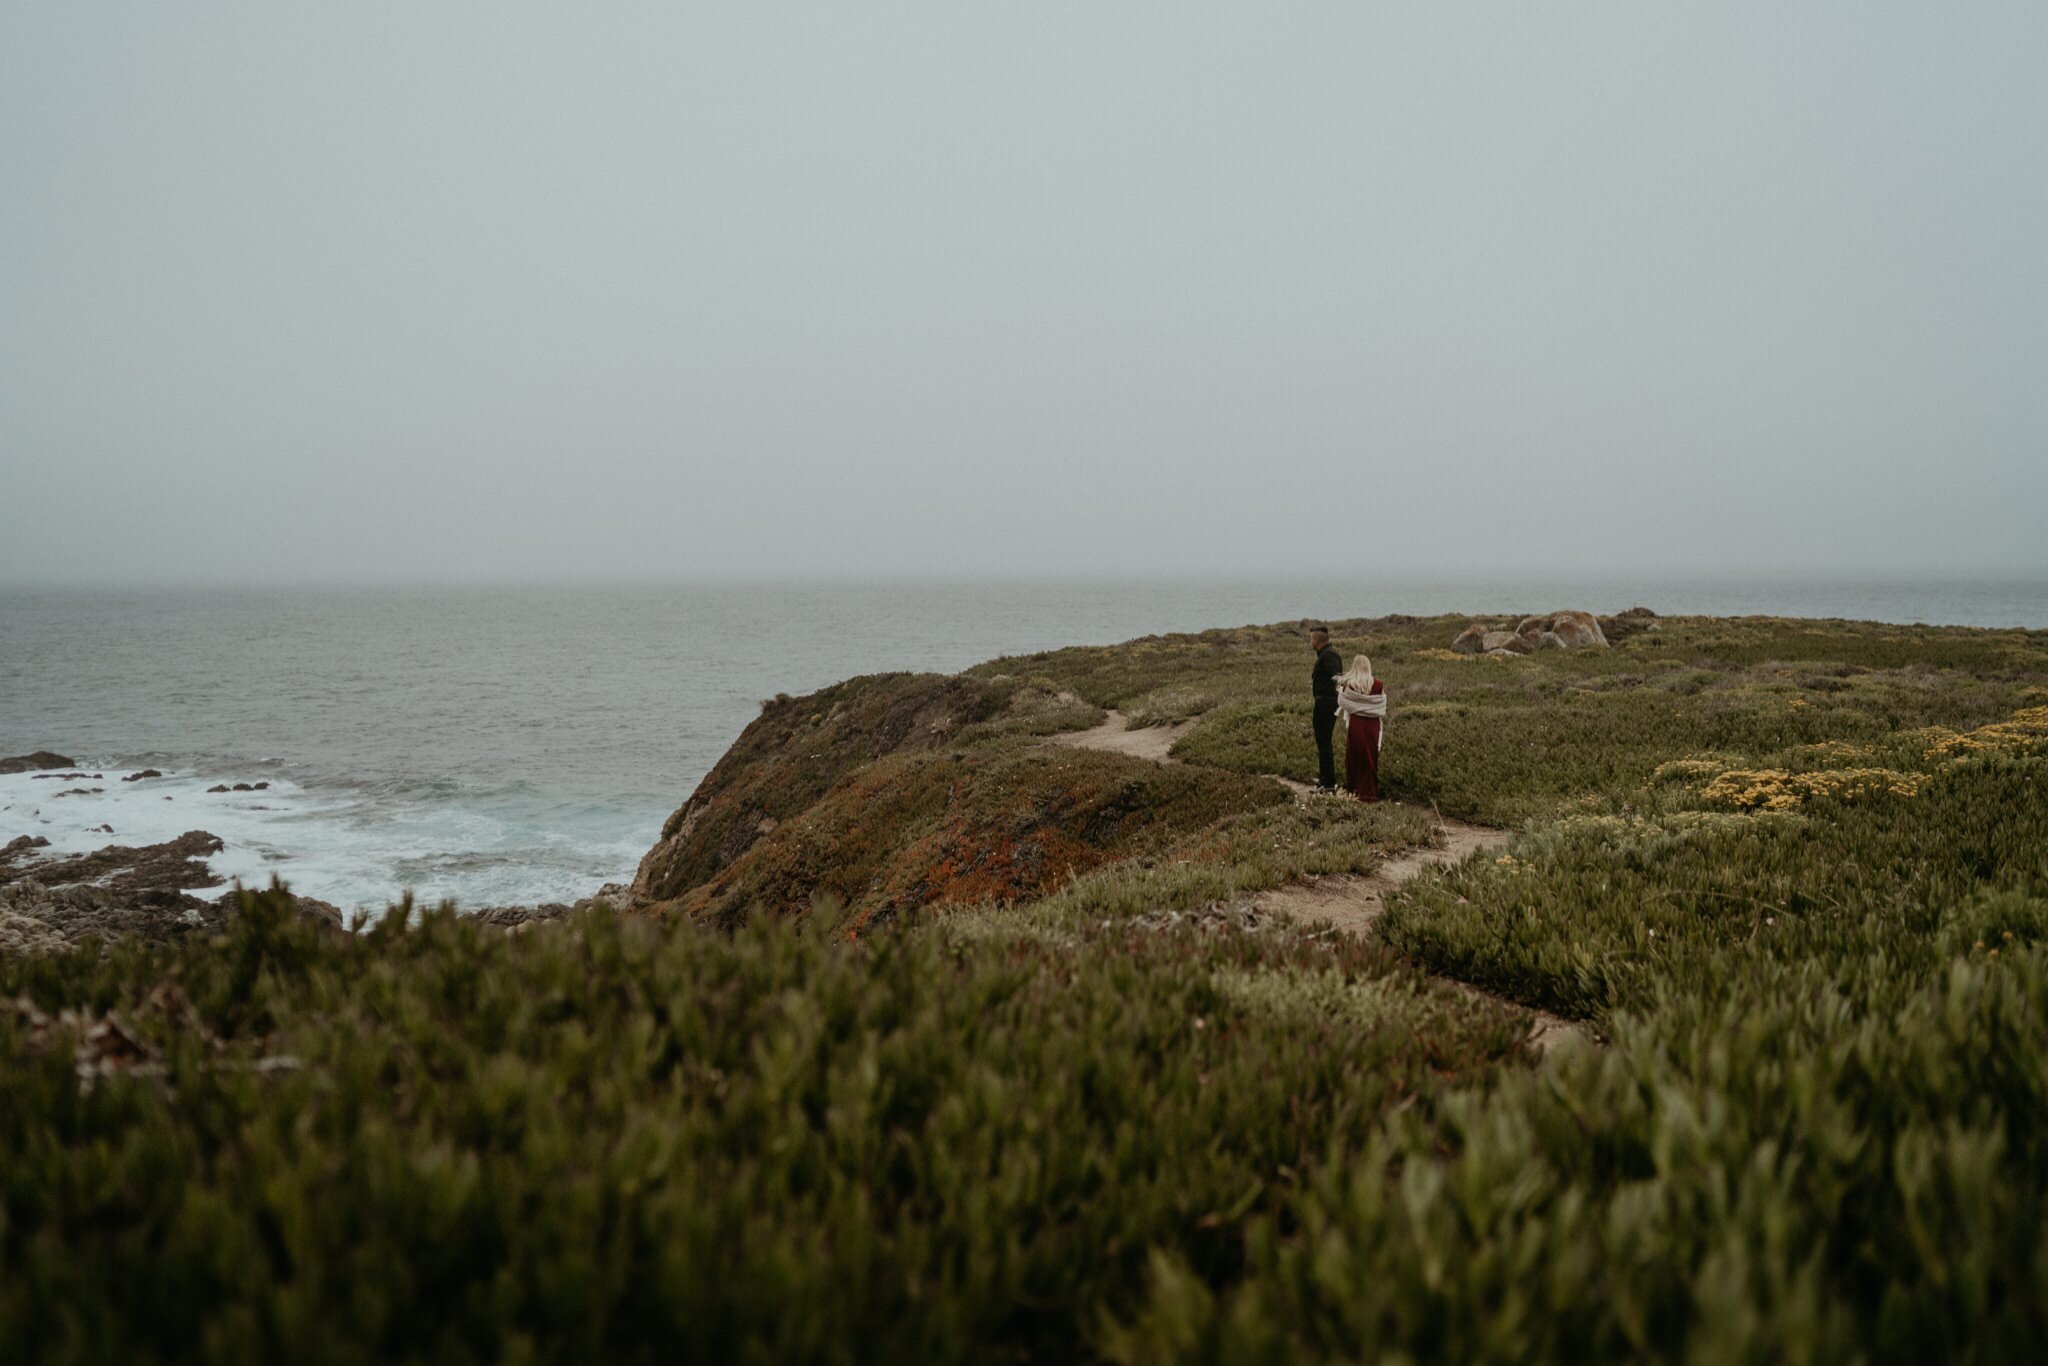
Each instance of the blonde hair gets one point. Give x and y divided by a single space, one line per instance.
1360 677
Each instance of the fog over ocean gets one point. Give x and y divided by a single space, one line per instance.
510 745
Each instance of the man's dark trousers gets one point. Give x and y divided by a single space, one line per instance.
1326 724
1323 685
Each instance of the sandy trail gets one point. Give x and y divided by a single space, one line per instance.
1351 903
1354 903
1115 735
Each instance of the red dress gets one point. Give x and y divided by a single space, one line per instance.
1362 753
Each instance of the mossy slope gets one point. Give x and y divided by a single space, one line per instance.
800 748
928 830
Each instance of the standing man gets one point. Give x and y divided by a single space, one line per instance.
1323 684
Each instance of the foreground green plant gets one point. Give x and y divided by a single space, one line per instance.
618 1139
1783 1175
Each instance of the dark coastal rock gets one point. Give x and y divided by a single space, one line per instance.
173 866
62 777
146 773
517 918
49 905
218 787
29 763
305 907
38 918
80 791
24 935
18 851
613 896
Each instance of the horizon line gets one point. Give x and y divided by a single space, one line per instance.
1885 576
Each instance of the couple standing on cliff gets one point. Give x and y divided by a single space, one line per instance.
1361 700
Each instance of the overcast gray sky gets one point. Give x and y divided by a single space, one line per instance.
393 291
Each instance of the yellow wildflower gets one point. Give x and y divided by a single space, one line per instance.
2023 732
1687 769
1775 789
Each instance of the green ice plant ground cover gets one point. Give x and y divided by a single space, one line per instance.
1795 874
615 1140
1816 1132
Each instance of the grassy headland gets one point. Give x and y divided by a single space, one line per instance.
933 1042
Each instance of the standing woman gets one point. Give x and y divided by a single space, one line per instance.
1362 701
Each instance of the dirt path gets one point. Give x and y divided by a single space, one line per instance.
1354 903
1115 734
1351 903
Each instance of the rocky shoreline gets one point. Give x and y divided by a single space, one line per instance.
160 893
51 904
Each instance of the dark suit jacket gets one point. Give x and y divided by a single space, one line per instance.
1323 682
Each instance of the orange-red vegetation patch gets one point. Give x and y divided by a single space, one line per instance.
914 831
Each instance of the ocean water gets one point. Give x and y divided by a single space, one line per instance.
518 745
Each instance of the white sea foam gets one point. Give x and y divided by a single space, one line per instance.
355 848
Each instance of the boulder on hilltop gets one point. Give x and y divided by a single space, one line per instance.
1556 630
1562 630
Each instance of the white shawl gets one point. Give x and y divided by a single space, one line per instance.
1352 702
